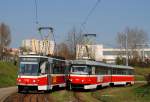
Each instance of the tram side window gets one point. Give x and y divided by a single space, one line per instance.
124 71
47 69
114 71
92 69
101 71
58 67
97 71
130 72
119 72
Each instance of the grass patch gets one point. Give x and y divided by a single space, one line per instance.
135 93
143 91
8 74
69 96
140 73
62 96
139 78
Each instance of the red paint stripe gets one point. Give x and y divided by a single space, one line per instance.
58 79
103 79
41 81
122 78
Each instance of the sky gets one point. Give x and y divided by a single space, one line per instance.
108 18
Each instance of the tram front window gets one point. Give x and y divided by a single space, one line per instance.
29 69
79 70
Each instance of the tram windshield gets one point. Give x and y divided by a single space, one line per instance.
79 70
29 68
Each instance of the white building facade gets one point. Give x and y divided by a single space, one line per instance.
99 53
39 46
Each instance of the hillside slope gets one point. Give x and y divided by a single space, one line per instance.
8 74
140 73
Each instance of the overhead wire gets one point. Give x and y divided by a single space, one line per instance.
83 24
37 24
36 18
36 21
36 13
89 14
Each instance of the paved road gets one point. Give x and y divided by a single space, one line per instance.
5 92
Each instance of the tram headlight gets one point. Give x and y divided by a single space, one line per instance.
34 81
19 80
82 81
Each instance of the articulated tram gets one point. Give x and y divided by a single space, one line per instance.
40 73
87 74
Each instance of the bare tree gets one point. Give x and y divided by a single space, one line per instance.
79 44
63 51
5 38
74 38
134 37
24 49
88 41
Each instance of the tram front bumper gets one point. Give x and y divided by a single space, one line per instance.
90 86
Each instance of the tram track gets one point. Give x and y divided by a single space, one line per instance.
78 96
96 93
24 97
73 96
46 98
96 97
17 97
21 97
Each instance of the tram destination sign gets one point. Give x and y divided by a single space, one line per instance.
28 59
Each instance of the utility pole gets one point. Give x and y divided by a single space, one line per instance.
143 47
74 43
126 49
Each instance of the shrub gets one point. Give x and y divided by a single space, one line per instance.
147 77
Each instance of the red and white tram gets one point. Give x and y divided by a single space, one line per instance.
89 74
40 73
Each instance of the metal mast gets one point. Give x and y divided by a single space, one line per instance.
86 49
46 39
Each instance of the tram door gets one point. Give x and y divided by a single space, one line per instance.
48 74
45 70
49 66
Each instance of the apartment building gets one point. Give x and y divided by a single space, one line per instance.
39 46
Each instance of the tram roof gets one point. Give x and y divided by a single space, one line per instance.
34 56
40 56
96 63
